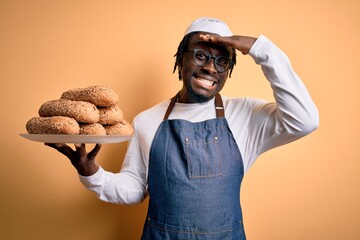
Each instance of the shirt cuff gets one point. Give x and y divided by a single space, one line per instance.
91 180
259 47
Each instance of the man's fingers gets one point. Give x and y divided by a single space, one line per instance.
61 147
57 146
80 148
79 154
224 41
213 38
94 152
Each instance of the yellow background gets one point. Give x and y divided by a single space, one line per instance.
308 189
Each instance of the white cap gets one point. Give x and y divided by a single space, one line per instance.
210 25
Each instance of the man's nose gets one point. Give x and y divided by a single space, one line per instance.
210 67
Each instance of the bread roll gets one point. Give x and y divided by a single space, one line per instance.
83 112
52 125
92 129
99 95
121 128
110 115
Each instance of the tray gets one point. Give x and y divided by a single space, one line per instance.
58 138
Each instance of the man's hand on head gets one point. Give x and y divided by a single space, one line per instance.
240 43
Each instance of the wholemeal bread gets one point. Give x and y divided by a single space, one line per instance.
99 95
110 115
92 129
83 112
86 111
52 125
121 128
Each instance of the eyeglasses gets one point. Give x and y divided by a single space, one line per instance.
202 58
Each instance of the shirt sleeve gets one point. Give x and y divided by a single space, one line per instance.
126 187
292 115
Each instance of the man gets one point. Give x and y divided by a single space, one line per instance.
189 154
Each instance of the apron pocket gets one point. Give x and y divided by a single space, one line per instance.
203 157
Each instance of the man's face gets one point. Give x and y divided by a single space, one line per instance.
202 83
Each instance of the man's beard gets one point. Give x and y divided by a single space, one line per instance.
196 97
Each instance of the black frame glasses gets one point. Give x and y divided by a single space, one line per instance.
202 58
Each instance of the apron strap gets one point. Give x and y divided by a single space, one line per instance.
219 106
170 107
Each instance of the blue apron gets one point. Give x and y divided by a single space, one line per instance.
195 173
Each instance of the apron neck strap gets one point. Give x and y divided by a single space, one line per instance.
219 106
170 107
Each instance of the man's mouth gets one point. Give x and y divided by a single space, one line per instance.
205 81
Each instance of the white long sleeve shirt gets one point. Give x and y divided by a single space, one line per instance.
257 125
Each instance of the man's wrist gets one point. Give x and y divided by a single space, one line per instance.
247 44
88 170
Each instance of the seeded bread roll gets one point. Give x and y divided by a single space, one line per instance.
92 129
99 95
110 115
121 128
83 112
52 125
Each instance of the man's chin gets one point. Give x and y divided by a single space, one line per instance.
198 97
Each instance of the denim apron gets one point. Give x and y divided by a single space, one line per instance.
194 178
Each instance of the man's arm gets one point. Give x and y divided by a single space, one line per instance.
294 114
